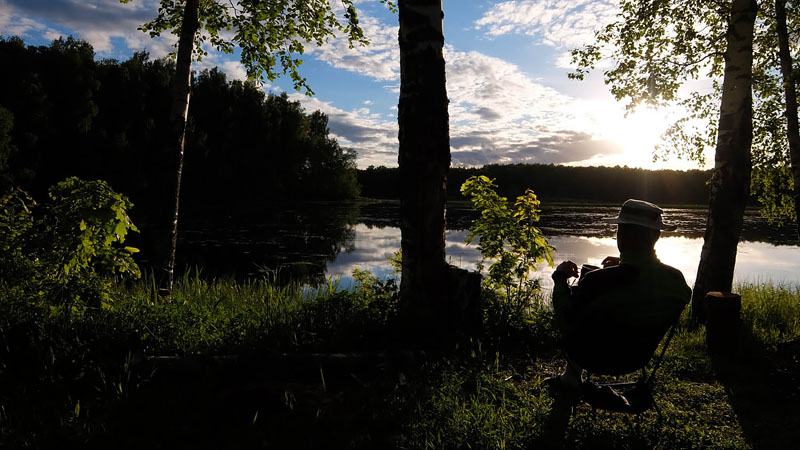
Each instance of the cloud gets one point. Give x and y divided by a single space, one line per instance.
562 24
369 133
498 114
563 147
379 60
12 24
557 23
95 21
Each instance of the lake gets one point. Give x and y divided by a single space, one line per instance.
314 241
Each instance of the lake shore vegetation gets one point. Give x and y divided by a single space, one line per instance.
88 378
265 362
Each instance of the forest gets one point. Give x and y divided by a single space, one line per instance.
562 183
63 113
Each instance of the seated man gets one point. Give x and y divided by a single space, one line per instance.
613 319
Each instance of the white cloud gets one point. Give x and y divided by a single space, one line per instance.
558 23
562 24
95 21
497 112
379 60
12 24
370 134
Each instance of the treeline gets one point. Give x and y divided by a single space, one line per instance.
562 183
62 113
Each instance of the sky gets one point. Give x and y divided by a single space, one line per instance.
506 66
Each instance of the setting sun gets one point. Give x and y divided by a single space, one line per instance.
637 136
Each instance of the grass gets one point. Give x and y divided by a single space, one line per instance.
77 380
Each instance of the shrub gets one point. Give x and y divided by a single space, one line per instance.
509 239
65 251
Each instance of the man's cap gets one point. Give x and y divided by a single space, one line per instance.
642 213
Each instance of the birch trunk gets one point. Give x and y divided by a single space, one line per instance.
730 182
790 92
178 116
424 159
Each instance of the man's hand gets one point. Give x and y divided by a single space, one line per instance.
610 261
568 268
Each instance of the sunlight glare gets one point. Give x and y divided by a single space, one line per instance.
637 135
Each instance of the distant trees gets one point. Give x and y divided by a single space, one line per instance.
69 115
593 184
275 150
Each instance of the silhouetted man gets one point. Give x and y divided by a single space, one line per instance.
613 319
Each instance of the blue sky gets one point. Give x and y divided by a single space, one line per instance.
507 65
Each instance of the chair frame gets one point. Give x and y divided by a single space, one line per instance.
646 381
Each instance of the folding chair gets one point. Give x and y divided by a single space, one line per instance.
607 347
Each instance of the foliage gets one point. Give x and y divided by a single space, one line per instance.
473 403
74 116
7 148
509 239
63 251
76 380
268 32
771 311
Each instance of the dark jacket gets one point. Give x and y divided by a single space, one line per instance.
613 320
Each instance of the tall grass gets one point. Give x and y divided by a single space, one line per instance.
771 311
66 376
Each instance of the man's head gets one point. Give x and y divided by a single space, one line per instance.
639 226
635 238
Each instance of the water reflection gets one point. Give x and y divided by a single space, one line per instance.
313 240
295 241
756 261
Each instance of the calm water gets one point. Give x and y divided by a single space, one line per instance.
319 240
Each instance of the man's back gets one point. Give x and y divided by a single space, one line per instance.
615 317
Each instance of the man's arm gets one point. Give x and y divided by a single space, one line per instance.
562 293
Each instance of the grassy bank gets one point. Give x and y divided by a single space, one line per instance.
260 366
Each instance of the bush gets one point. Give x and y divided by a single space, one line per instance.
509 239
65 252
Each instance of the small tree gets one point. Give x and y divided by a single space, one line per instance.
509 239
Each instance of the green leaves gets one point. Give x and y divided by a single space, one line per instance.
655 47
64 250
269 32
509 239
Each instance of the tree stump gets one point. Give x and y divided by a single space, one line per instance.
722 326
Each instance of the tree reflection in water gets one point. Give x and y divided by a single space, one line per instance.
292 242
311 241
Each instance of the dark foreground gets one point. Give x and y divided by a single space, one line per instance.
253 365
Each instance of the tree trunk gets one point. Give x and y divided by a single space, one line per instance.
424 159
790 91
730 182
178 116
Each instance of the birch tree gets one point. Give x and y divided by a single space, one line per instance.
271 34
656 47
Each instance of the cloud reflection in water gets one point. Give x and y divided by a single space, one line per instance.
756 261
